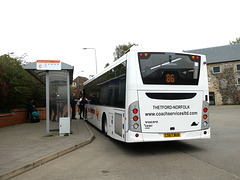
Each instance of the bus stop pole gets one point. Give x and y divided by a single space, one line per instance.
47 103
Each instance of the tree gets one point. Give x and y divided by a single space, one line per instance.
121 49
235 42
3 90
17 85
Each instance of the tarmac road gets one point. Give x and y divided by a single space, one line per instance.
217 158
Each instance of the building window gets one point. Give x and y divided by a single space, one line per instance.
212 98
238 81
238 67
216 69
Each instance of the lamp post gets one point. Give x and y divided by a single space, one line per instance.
95 56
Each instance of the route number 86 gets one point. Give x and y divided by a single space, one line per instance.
170 78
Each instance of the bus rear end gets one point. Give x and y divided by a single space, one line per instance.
171 98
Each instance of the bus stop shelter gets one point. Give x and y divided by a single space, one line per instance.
57 77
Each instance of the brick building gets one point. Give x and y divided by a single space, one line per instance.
223 64
78 84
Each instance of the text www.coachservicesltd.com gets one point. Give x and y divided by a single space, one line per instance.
184 113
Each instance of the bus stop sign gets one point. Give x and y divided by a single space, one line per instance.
48 65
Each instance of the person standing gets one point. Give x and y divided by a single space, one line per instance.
31 107
82 102
73 105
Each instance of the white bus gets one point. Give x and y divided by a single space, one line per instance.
148 96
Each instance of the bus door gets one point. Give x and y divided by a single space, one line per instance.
118 124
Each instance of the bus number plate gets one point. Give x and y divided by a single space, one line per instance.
171 135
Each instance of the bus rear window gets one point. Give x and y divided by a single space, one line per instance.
169 68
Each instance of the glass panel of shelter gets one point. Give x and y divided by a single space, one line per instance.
58 97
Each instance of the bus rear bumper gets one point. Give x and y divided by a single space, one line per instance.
132 137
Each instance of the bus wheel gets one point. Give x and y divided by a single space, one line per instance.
105 126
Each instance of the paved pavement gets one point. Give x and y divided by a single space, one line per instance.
26 146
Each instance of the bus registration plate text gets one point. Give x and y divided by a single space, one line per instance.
171 135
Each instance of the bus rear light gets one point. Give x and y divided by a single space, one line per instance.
135 111
135 118
136 126
205 115
205 123
205 132
143 55
196 57
137 135
205 110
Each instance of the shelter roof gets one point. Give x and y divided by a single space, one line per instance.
41 74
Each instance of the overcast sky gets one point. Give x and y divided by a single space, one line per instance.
60 29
